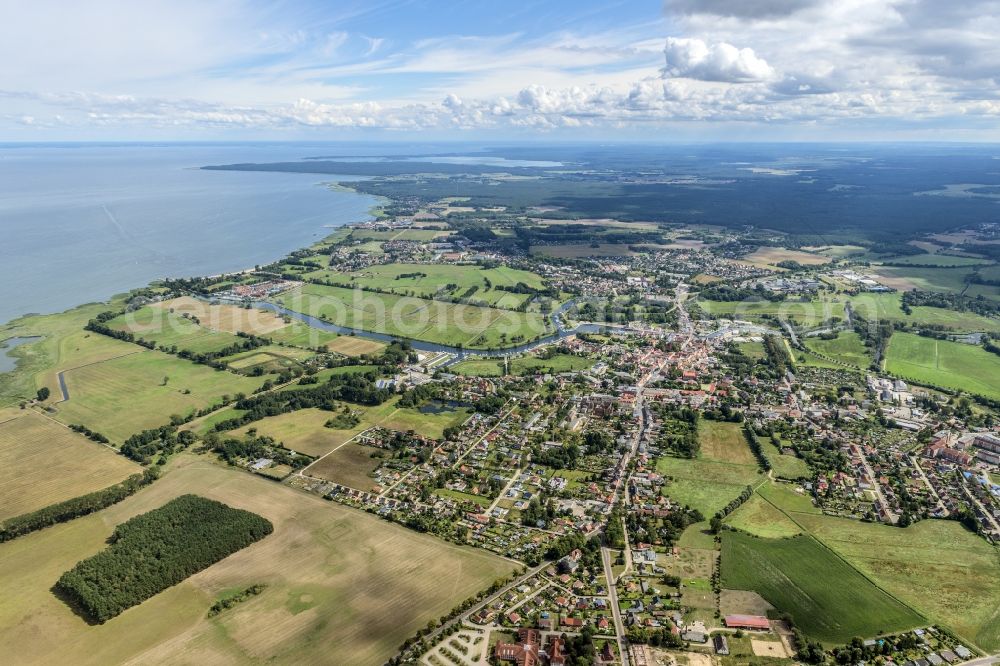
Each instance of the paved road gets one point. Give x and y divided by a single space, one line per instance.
615 610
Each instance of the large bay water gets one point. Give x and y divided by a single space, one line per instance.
79 223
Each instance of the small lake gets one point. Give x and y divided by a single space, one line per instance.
7 361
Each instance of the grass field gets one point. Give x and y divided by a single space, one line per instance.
304 430
809 313
938 260
724 468
167 328
761 518
421 319
930 279
706 485
300 334
724 442
422 235
832 607
943 363
342 586
949 574
449 280
64 344
847 348
42 463
875 307
784 465
122 396
522 365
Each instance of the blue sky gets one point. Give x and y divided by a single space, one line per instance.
672 70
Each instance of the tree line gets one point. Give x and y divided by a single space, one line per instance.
155 550
359 389
74 508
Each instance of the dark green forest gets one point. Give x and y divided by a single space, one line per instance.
155 550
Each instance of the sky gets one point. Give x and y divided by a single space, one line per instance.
635 70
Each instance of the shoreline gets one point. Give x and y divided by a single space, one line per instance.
328 230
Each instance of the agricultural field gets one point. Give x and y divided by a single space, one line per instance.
942 363
349 465
300 334
805 313
847 348
770 256
832 608
949 574
125 395
334 577
434 321
937 260
224 318
353 345
752 349
989 291
888 307
759 517
905 278
43 462
167 329
448 280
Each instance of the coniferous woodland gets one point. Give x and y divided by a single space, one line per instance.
158 549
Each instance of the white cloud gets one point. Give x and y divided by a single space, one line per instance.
232 65
695 59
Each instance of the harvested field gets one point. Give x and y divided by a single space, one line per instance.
350 345
349 465
225 318
42 463
334 577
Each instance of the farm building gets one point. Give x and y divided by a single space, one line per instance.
752 622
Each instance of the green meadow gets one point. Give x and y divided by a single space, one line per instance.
951 365
477 283
421 319
847 348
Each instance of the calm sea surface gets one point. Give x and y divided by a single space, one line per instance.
81 223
